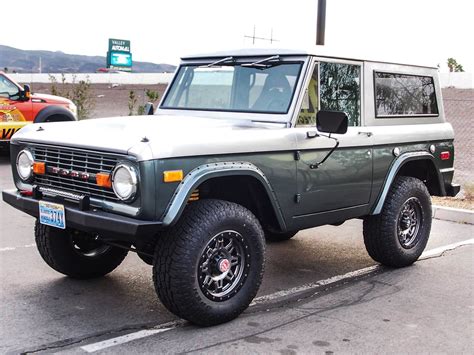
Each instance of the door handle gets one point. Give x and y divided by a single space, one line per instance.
368 134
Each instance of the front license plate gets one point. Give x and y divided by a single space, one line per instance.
52 214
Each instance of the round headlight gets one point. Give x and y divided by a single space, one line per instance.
124 182
24 165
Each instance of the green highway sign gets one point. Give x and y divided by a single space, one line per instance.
119 45
119 55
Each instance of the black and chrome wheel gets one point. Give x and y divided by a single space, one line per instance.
398 235
223 266
410 219
76 254
209 266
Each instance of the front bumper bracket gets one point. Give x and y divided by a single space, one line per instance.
109 225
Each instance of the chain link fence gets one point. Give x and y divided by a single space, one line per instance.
459 111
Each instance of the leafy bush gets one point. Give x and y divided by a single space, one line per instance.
79 92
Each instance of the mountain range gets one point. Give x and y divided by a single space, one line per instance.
28 61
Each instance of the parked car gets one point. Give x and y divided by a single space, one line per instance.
244 146
19 107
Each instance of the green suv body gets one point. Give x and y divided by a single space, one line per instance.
244 146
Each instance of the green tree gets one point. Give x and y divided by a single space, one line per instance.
80 93
152 96
454 66
132 101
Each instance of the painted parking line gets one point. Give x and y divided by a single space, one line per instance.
90 348
309 286
19 247
440 250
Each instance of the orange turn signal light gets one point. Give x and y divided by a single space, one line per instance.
104 180
39 168
173 175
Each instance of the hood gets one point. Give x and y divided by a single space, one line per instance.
161 136
51 98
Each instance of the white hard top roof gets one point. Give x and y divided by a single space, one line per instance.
260 52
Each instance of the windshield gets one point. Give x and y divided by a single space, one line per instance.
7 88
239 88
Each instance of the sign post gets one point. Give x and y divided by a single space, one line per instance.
321 24
119 56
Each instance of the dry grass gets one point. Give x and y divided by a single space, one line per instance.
464 200
468 191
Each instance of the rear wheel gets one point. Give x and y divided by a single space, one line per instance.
209 266
57 118
76 254
398 235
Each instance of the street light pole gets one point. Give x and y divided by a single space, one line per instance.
321 24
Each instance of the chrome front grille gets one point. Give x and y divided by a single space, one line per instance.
74 170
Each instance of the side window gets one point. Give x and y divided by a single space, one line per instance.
309 106
340 89
404 95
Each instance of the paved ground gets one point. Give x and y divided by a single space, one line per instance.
427 307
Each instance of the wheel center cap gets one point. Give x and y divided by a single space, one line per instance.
406 221
223 265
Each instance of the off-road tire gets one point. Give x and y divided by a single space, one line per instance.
179 254
279 237
147 259
57 249
381 235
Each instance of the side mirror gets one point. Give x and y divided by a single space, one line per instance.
149 110
26 93
332 122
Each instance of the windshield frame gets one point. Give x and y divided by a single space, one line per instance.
254 115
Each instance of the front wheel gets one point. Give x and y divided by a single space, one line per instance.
76 254
209 266
399 234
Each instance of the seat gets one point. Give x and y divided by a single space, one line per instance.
275 95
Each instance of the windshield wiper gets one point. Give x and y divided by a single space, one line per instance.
217 62
264 63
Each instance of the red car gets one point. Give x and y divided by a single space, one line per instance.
19 107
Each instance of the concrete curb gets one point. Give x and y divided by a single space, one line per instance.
453 214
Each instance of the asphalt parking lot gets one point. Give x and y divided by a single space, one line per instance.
314 299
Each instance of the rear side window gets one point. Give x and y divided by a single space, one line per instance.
404 95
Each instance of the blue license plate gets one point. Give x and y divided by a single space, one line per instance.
52 214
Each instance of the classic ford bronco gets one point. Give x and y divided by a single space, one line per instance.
244 146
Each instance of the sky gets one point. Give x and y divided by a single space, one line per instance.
409 31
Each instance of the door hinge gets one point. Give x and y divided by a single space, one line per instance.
297 198
297 155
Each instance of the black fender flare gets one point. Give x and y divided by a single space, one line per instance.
49 111
205 172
